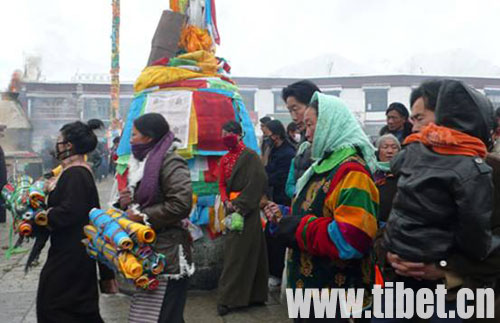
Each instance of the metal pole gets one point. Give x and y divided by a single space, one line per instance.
115 61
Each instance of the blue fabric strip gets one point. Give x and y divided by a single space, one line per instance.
250 140
135 110
346 251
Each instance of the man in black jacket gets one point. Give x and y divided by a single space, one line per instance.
443 209
397 121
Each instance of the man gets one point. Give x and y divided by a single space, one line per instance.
266 145
397 121
470 115
423 103
297 97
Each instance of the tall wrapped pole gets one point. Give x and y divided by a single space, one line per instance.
115 61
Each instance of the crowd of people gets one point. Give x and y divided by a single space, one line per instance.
419 206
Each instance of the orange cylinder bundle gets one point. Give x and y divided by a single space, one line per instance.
25 228
143 233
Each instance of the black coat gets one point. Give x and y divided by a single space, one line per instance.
67 290
444 203
401 136
277 169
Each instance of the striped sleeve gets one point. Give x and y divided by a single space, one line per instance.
353 200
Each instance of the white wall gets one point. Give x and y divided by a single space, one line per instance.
354 98
399 94
264 102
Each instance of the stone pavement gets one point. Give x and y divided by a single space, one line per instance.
18 294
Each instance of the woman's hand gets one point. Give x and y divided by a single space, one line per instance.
133 216
125 198
229 207
109 286
271 211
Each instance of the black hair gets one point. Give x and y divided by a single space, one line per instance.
265 120
233 127
116 140
428 91
96 124
81 135
302 91
398 107
152 125
292 126
276 128
315 105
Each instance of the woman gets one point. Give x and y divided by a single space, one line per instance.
243 183
277 169
293 134
333 221
388 146
67 290
159 186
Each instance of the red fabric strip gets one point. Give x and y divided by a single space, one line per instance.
212 111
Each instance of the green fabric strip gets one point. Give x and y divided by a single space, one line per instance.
333 160
358 198
181 61
304 231
203 188
384 166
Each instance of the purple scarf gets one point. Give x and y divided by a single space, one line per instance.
148 188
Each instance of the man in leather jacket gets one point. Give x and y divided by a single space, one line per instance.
459 270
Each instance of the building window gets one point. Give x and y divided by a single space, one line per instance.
279 104
96 108
494 96
249 99
375 100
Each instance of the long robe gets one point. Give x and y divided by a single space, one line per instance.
67 290
245 273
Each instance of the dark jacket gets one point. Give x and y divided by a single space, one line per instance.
387 187
444 202
277 169
401 135
174 202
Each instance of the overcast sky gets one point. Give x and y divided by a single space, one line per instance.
258 36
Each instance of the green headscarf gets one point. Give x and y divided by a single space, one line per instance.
337 133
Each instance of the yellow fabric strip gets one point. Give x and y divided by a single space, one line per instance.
357 217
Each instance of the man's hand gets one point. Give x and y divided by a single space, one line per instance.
109 286
125 198
417 270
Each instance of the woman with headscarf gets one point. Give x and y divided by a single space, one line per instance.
333 221
67 290
159 192
242 184
388 147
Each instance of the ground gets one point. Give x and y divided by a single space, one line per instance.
18 294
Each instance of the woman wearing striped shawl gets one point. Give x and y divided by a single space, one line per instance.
333 221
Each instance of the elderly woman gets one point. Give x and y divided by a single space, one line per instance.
387 147
159 186
67 290
243 182
333 221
